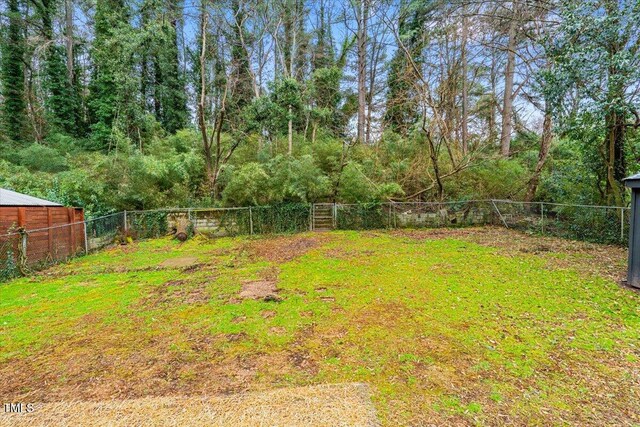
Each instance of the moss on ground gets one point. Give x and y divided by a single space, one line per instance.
445 330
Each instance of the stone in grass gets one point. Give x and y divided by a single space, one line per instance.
260 289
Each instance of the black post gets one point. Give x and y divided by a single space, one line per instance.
633 271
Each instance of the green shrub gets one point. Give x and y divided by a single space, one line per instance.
37 157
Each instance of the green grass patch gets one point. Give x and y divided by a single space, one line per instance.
444 330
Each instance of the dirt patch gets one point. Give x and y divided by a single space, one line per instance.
192 268
184 262
302 360
260 289
285 248
323 405
176 292
240 336
267 314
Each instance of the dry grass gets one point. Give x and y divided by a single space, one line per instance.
324 405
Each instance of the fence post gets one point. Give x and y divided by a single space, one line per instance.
126 226
250 221
542 216
621 225
493 202
311 217
395 216
22 253
86 240
335 215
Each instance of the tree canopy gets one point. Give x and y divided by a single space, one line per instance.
121 104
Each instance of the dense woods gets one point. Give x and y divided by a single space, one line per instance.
124 104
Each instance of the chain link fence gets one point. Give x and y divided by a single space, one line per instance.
25 251
599 224
413 215
287 218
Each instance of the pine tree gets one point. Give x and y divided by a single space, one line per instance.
61 100
169 97
112 88
14 117
162 85
174 115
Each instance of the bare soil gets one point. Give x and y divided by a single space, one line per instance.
285 248
258 289
183 262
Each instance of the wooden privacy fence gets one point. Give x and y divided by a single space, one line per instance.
26 248
41 233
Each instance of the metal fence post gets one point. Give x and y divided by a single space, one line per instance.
250 221
542 216
86 241
621 225
335 215
24 243
493 202
22 256
126 226
395 216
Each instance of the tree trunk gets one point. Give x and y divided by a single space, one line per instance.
68 15
219 161
507 106
465 97
362 67
615 160
545 145
493 134
202 123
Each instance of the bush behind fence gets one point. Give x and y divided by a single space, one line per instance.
19 253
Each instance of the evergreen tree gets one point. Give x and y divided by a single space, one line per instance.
61 99
175 115
402 108
112 87
169 96
596 58
14 117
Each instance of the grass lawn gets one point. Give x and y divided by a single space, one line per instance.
472 326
